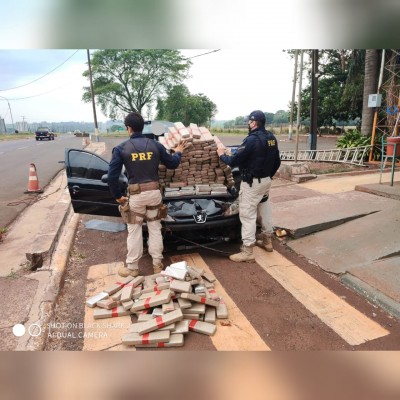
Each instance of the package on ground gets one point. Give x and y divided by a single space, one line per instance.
155 294
119 311
139 325
181 327
127 291
176 340
196 308
168 307
180 286
161 321
210 315
202 327
108 304
184 303
200 299
222 310
117 285
156 288
91 302
152 301
209 277
127 305
176 273
133 338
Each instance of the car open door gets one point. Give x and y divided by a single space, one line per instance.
87 183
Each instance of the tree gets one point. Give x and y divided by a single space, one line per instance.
281 117
127 80
370 87
180 105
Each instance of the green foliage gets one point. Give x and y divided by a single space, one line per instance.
281 117
352 138
180 105
127 80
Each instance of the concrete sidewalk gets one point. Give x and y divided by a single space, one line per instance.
349 226
326 211
34 254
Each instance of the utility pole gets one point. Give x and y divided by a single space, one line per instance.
299 106
9 107
96 128
293 95
314 101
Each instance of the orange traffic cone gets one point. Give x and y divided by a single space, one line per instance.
33 183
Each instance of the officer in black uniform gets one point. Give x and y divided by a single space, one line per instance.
258 160
141 157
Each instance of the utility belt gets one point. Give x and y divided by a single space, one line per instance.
133 217
248 177
137 188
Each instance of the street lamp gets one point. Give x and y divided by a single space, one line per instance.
10 110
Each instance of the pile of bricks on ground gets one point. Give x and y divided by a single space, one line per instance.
168 305
201 170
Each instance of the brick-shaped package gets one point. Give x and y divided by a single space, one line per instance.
119 311
199 299
152 301
210 316
108 304
196 308
156 288
176 340
117 285
139 325
161 321
91 302
132 338
202 327
222 310
180 286
181 327
127 291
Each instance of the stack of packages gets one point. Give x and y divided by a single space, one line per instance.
167 305
201 172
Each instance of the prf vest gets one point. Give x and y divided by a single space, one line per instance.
141 158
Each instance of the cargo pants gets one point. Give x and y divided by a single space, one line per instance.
138 203
250 208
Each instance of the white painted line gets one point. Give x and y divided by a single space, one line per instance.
20 148
350 324
239 334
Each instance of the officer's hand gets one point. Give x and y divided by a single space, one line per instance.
220 151
122 200
183 145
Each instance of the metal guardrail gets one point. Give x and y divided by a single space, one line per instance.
353 155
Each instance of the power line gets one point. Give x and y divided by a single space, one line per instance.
48 73
36 95
199 55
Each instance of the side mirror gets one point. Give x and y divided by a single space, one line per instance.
104 178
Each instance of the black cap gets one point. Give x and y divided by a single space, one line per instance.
257 115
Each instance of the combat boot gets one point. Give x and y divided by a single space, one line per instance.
245 255
264 240
157 268
124 271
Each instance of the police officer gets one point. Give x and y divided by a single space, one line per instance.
258 160
141 157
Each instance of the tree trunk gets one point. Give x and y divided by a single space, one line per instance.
370 87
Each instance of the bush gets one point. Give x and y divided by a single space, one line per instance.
353 138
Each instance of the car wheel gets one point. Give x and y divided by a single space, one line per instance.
37 138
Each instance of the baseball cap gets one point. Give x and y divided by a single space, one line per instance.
257 115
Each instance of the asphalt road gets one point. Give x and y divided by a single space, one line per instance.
15 158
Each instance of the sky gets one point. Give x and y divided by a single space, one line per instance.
47 85
249 72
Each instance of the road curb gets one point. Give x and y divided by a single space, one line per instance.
58 268
372 294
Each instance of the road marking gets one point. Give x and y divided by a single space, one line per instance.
350 324
240 334
104 334
20 148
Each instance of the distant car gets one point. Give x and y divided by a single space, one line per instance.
44 133
196 217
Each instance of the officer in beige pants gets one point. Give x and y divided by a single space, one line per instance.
258 160
141 157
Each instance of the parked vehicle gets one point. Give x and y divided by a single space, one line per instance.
198 217
44 133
